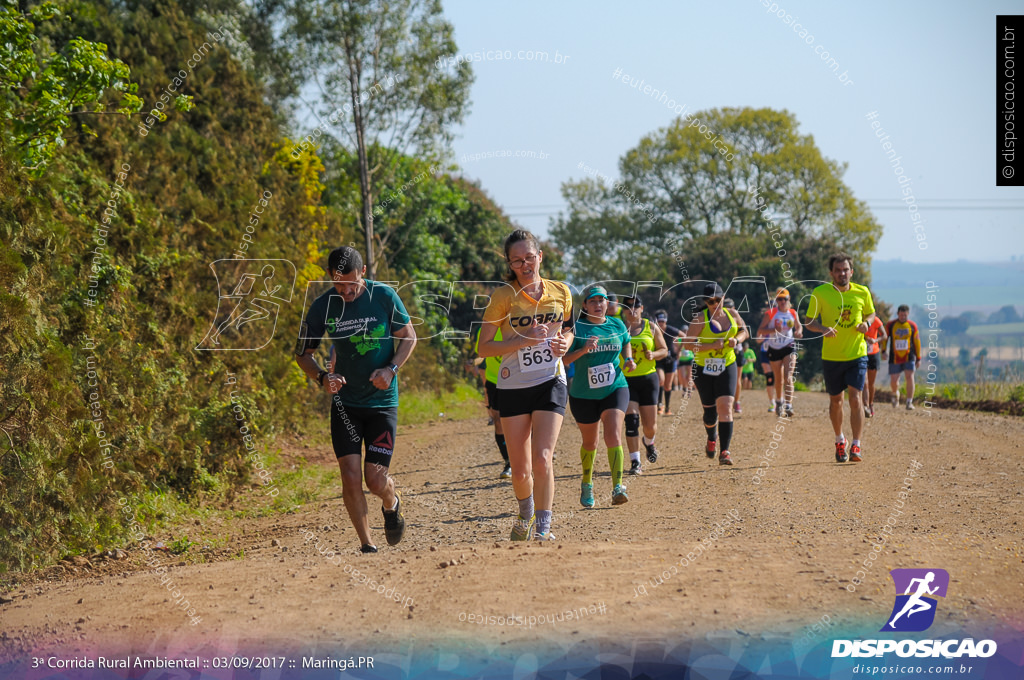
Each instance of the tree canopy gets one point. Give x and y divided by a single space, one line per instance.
711 175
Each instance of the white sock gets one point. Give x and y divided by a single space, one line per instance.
648 443
634 455
856 442
840 438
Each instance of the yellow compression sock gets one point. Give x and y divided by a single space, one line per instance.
615 463
587 458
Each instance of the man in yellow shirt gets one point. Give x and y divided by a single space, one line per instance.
846 313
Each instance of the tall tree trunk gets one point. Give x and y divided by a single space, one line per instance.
364 165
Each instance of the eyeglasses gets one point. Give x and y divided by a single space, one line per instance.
714 301
782 298
518 264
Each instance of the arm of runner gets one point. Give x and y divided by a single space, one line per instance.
406 337
742 334
489 347
561 341
917 344
813 325
762 330
798 328
589 346
660 348
813 313
865 325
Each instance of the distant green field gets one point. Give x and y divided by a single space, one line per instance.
998 329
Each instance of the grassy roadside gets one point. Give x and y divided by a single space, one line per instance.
301 472
298 471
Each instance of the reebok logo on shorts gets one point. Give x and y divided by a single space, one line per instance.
383 444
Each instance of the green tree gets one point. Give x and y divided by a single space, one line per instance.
677 186
954 325
133 314
41 87
1005 314
374 64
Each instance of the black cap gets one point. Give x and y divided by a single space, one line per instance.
713 290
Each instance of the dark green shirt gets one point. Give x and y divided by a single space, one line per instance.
598 373
362 333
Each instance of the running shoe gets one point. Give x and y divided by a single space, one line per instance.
771 407
709 449
724 458
667 412
522 529
737 408
867 411
619 495
841 456
778 408
490 421
789 410
652 453
394 522
506 473
367 548
910 406
543 536
855 453
634 469
587 495
895 400
661 410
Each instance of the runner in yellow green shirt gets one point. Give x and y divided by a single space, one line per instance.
845 311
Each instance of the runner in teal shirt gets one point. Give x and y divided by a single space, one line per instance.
599 392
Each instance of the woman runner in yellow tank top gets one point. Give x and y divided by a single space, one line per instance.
716 332
649 347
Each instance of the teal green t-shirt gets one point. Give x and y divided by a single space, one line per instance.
361 331
598 373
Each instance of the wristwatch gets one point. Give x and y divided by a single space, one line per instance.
320 377
394 368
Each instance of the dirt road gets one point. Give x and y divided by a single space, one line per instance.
783 558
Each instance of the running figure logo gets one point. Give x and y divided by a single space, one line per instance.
914 610
258 288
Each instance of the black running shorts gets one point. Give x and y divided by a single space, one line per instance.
644 389
492 395
711 387
779 354
668 364
548 396
352 427
587 411
842 374
873 361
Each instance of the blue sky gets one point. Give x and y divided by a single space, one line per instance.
928 69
